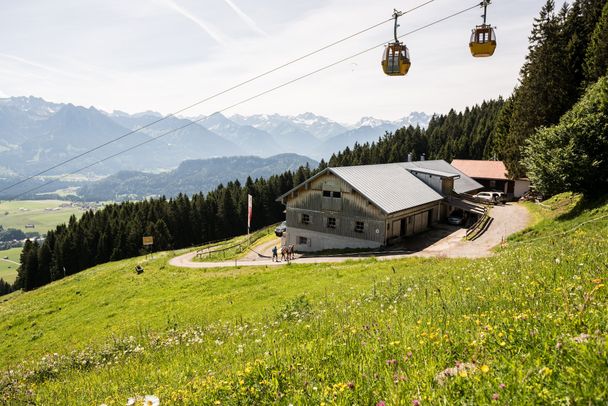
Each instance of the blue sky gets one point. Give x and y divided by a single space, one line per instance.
162 55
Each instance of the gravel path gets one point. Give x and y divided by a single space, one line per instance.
444 241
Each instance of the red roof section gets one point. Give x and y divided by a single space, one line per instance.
481 169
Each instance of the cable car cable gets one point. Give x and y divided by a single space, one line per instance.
244 101
241 84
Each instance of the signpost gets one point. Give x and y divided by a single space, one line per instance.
148 241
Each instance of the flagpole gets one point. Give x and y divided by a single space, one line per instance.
249 212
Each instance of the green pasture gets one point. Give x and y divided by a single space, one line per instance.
43 214
526 326
8 270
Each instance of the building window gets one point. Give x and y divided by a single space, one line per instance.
329 193
331 222
359 227
302 241
305 219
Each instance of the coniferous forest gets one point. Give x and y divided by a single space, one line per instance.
553 129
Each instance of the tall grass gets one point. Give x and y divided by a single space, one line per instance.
527 326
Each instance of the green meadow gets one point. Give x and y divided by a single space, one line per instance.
526 326
43 214
8 270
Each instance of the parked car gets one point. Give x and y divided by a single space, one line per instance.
500 197
281 229
488 197
456 218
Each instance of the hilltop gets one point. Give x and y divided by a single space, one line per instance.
525 326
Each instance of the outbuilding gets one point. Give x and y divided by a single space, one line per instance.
493 175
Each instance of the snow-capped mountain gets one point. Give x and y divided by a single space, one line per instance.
372 123
36 134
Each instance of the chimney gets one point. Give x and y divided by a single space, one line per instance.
422 157
409 157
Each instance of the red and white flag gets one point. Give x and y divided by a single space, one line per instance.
249 210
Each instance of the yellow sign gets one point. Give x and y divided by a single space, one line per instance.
148 240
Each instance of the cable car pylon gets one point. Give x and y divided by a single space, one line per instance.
396 56
483 38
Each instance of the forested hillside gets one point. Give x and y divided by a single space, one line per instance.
116 231
568 48
462 135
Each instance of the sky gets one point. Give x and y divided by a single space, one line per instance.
164 55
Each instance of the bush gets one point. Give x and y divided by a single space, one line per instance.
573 155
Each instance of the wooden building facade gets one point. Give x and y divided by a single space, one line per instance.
365 206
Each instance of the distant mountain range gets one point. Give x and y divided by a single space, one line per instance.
190 177
36 134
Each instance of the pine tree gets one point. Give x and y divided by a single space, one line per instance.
596 60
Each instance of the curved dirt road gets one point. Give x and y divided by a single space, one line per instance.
508 219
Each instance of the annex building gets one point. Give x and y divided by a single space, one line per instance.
370 206
493 175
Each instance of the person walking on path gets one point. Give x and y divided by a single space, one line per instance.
275 254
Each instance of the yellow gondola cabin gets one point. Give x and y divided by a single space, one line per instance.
396 60
483 41
396 57
483 38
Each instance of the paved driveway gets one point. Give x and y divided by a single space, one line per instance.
442 241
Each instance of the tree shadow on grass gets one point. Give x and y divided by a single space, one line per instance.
586 203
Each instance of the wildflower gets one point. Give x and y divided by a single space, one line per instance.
130 401
415 402
502 386
391 362
460 369
485 369
495 396
381 403
583 338
351 385
151 400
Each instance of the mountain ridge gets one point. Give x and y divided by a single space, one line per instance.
36 134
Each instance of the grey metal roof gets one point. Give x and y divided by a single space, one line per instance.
434 172
464 184
390 186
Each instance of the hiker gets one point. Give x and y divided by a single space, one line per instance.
292 254
284 254
275 255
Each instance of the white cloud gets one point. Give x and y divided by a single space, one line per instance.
205 26
252 24
37 65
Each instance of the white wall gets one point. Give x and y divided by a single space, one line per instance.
521 187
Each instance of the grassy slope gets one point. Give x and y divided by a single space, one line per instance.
8 270
362 332
35 214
